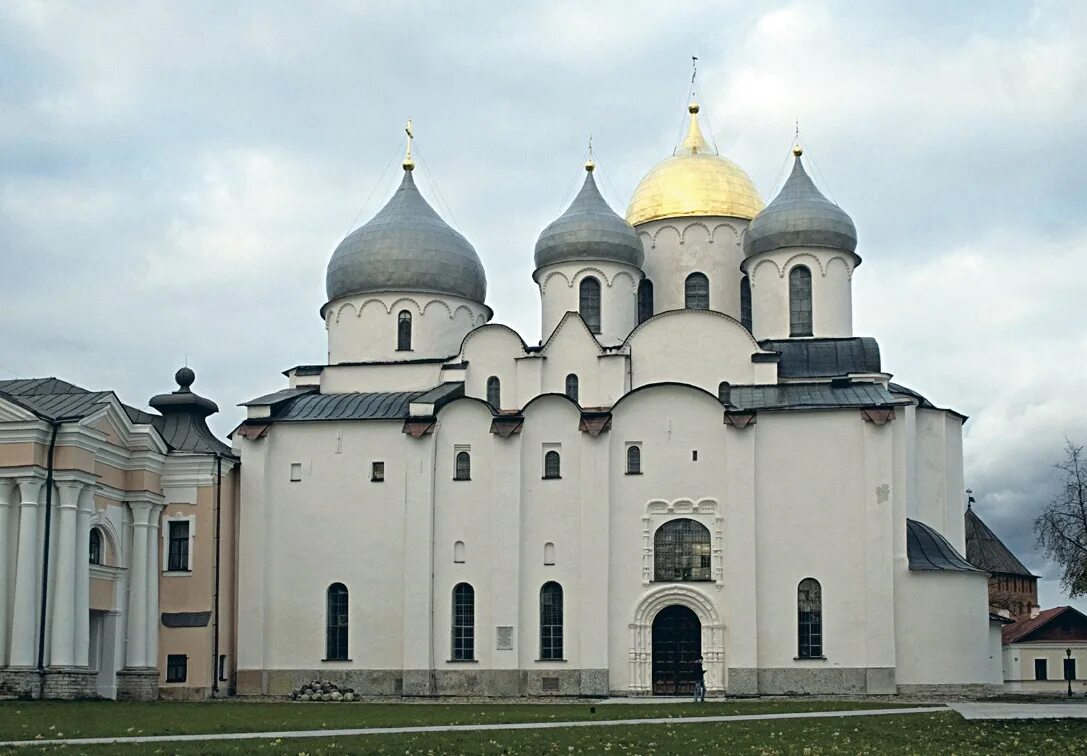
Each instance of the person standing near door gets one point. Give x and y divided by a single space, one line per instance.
700 681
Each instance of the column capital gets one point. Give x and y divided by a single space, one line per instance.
86 499
145 514
7 485
68 492
30 487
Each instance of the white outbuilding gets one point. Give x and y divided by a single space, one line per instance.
698 459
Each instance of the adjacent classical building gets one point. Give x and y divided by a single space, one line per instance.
117 544
697 457
1045 650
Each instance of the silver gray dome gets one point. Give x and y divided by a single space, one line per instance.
406 247
589 230
800 216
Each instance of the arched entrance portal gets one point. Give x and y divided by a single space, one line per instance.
677 644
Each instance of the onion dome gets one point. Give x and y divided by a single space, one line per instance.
800 216
695 181
589 230
406 247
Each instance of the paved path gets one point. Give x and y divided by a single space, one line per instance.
1021 710
468 728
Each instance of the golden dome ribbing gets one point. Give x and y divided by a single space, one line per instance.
696 181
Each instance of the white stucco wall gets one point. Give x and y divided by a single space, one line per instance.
560 287
831 283
363 327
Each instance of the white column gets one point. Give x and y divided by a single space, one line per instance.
136 611
7 485
62 623
25 608
153 576
83 577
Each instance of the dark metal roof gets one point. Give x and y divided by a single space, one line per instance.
928 551
280 396
354 406
987 551
812 358
800 216
788 396
406 247
589 230
54 399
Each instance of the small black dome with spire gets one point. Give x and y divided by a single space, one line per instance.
800 216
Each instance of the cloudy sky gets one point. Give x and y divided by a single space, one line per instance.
174 177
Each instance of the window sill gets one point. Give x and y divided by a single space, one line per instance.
335 660
689 580
551 661
633 473
175 682
551 477
176 573
809 658
377 480
405 350
462 661
459 480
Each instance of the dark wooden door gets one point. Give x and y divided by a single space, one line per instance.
677 644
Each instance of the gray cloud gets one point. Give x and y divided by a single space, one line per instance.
173 178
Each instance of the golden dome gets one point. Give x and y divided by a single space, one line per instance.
694 181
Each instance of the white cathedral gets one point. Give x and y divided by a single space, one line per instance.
698 459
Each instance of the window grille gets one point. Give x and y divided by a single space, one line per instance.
697 292
681 551
745 302
572 387
809 609
96 546
551 621
464 622
403 331
377 472
494 392
645 300
178 560
800 316
177 668
634 460
552 465
336 622
589 303
463 466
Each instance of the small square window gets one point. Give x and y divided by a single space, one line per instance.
177 668
296 471
377 472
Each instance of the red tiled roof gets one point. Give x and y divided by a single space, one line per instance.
1022 628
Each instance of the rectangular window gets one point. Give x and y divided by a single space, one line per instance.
178 560
1041 669
222 666
177 668
296 471
377 472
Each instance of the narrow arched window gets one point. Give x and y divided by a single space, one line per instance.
634 460
681 551
589 303
458 552
551 621
96 546
552 465
696 292
745 302
724 392
336 622
403 331
549 553
464 623
645 300
494 392
800 301
809 617
463 466
571 387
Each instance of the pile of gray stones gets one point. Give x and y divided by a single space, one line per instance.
319 690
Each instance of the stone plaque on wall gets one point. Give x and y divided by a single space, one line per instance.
504 634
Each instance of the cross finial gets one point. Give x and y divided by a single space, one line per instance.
408 163
694 68
797 149
590 164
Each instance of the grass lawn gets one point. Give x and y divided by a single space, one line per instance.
922 734
28 720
